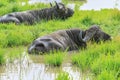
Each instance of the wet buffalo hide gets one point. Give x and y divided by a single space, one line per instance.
59 40
58 11
70 39
94 33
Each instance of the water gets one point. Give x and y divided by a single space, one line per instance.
100 4
89 5
32 2
71 5
42 1
33 68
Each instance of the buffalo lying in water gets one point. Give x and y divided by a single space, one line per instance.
70 39
58 11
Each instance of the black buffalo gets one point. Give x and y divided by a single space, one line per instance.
58 11
70 39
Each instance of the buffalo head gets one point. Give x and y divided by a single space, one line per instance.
94 33
62 11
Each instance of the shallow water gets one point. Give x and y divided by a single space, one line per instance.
42 1
100 4
33 68
88 5
33 2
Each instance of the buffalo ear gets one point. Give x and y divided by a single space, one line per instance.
51 4
81 36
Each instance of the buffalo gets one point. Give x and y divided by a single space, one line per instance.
59 11
70 39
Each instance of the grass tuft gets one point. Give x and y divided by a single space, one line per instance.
100 59
54 59
63 76
2 56
105 75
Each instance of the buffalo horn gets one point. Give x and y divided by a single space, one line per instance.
50 4
56 4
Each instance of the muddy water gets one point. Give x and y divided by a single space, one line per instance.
100 4
33 68
42 1
88 5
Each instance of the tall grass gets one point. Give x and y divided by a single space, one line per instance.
105 75
15 35
54 59
63 76
106 63
100 59
15 53
2 56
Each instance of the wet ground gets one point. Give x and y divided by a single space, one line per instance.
33 68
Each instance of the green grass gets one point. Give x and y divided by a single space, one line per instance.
15 53
105 75
15 35
54 59
101 59
106 63
2 56
10 54
63 76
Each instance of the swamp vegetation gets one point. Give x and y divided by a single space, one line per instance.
102 60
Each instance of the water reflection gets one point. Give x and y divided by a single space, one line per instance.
42 1
88 5
32 2
100 4
26 69
71 5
